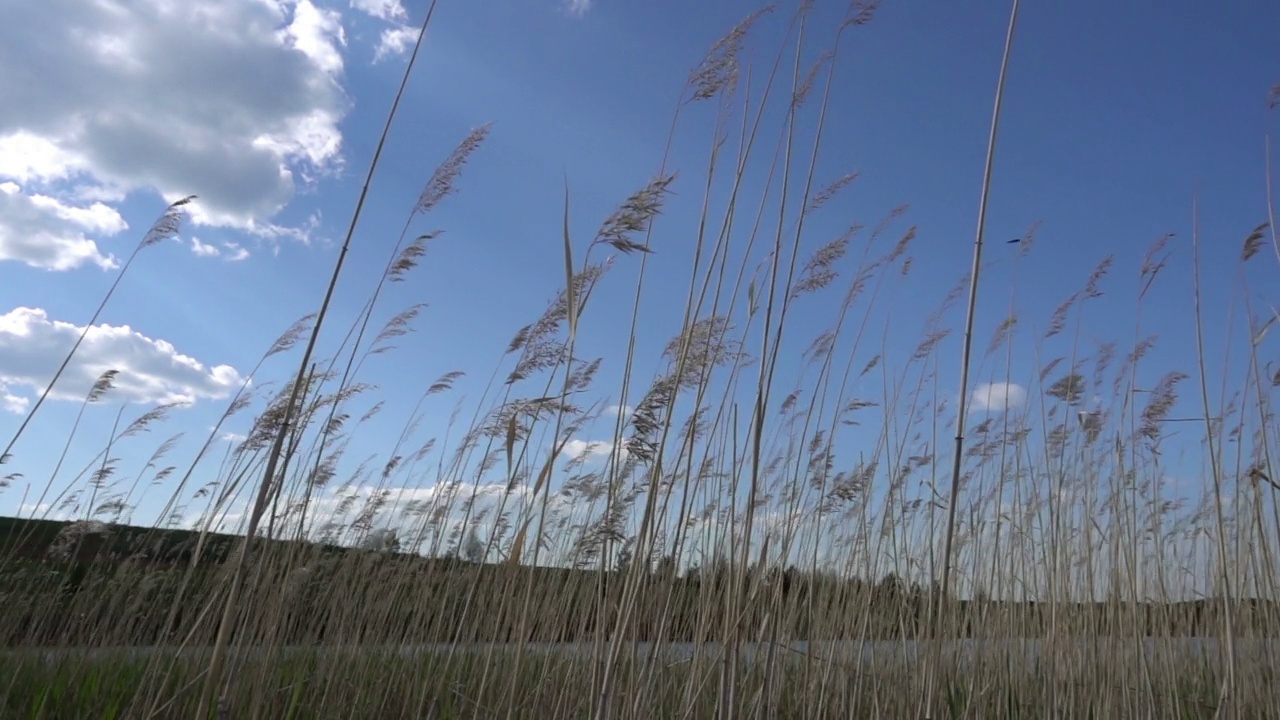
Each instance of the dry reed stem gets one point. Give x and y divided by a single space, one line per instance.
968 337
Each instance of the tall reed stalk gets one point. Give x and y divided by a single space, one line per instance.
966 348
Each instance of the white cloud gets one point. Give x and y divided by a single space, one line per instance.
232 101
232 437
203 249
597 448
32 346
585 451
29 158
395 41
97 217
42 510
577 7
45 233
440 517
616 410
388 10
13 403
236 253
230 251
316 33
448 509
997 397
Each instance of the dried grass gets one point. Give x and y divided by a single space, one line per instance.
768 531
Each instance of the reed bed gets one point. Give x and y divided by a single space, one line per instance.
310 683
777 525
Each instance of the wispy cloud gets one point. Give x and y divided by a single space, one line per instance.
577 7
395 41
235 252
13 403
388 10
230 251
203 249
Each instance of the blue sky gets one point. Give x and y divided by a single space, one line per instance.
1116 117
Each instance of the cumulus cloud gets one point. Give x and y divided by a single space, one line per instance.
997 397
45 233
316 33
29 158
150 370
577 7
235 102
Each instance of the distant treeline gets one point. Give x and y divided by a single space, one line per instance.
121 585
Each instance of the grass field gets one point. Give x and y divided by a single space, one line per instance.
497 683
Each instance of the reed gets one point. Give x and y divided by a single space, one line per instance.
749 518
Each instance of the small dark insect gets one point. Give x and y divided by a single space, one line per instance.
1015 240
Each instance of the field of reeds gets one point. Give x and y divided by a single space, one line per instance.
780 524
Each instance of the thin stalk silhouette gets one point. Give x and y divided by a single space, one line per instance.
963 405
